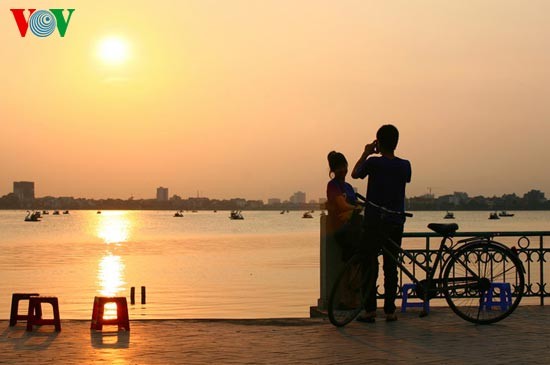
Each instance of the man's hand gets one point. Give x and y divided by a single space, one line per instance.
371 148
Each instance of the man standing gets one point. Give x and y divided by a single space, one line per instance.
388 175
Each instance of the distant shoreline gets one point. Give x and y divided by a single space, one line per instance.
532 200
269 209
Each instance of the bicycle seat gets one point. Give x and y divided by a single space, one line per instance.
444 229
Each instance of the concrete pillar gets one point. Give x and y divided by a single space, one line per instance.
329 267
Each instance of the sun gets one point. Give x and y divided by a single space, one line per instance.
113 50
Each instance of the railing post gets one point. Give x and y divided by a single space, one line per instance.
541 261
428 251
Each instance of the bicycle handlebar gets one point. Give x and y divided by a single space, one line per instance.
379 207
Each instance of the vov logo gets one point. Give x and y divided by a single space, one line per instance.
42 23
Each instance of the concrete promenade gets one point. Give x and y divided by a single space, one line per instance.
440 338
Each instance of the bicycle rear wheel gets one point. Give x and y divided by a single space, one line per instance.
347 297
484 282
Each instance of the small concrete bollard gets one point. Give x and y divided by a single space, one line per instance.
132 295
143 300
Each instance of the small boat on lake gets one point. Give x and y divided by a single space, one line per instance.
178 214
505 214
33 216
44 212
282 212
307 215
98 212
494 216
449 215
236 215
65 212
56 212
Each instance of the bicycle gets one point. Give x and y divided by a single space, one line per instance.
482 280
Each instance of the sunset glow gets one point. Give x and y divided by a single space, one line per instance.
113 51
245 99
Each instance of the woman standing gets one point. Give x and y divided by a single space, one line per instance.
341 205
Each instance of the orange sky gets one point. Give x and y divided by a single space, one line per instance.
246 98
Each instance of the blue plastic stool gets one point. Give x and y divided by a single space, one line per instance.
503 300
405 299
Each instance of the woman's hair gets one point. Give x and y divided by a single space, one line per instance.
336 160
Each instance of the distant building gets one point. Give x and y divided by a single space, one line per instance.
254 204
24 190
162 194
198 203
238 202
273 201
298 197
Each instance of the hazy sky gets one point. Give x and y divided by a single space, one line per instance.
246 98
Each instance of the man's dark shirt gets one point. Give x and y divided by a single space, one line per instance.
387 180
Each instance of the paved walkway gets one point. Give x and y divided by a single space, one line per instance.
440 338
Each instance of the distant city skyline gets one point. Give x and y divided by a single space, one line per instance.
22 198
256 94
196 193
26 189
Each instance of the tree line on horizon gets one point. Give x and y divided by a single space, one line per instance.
532 200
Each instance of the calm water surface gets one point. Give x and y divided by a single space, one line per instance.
203 265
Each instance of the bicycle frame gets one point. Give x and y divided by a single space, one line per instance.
429 271
439 261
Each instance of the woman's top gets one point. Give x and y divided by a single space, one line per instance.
339 213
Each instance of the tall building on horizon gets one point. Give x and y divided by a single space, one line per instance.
24 190
298 197
162 194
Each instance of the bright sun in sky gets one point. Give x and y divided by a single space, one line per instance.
113 50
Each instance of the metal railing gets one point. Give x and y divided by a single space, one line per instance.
423 246
529 245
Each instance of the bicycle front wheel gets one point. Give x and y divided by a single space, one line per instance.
347 296
483 282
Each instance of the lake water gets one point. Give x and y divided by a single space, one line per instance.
203 265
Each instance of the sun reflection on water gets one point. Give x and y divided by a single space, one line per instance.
111 281
111 275
113 228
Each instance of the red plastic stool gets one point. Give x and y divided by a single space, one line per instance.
34 314
122 319
14 314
